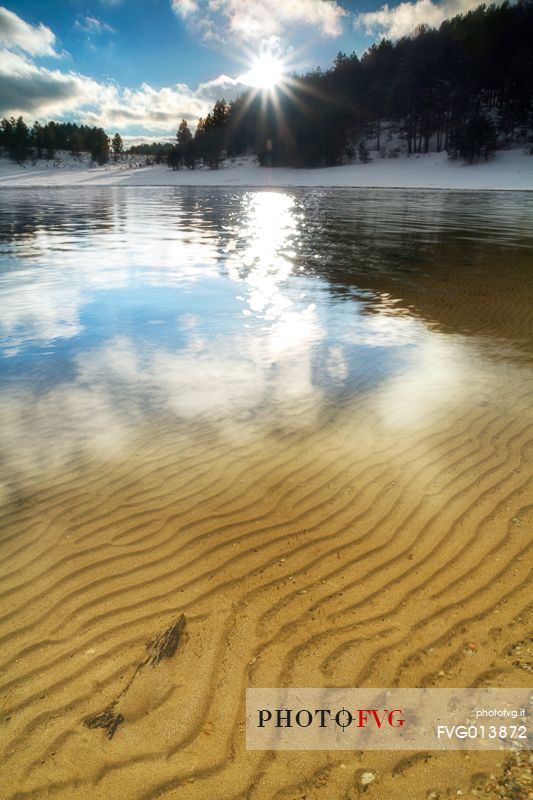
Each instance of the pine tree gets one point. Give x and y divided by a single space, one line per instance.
6 132
362 150
100 146
20 145
117 144
37 137
212 133
476 140
183 149
174 157
49 139
76 143
184 135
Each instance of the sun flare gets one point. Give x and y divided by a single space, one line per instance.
266 72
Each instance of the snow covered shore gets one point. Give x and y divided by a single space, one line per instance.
509 170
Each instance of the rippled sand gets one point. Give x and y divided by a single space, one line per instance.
383 540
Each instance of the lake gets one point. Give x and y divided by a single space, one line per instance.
301 418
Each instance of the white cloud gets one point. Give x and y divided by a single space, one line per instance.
26 88
254 20
15 33
159 110
185 8
154 109
36 92
404 18
92 25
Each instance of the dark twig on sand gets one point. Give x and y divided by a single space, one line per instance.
106 719
163 646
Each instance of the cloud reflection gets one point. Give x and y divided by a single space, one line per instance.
439 375
247 340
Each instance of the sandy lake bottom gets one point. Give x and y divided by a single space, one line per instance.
303 420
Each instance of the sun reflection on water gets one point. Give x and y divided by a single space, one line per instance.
263 251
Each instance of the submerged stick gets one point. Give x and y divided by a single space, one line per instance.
106 719
163 646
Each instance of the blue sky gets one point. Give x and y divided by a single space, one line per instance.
138 66
150 42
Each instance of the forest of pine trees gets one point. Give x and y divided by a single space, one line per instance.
466 88
41 141
159 150
210 142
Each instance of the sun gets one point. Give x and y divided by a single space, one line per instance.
265 72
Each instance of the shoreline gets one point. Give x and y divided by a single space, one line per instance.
509 171
262 186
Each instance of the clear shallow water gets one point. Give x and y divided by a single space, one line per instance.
234 305
303 420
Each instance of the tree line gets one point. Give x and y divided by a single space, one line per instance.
212 139
466 88
41 141
158 150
